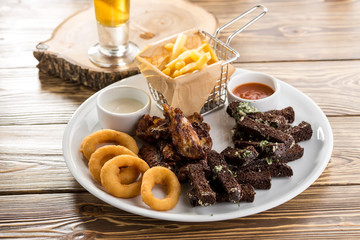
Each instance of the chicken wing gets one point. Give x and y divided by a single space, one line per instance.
184 137
152 129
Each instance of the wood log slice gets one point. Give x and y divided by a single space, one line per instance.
64 55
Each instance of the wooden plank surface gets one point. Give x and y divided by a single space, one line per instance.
300 30
312 45
34 23
314 214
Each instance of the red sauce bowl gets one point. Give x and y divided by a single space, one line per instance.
258 89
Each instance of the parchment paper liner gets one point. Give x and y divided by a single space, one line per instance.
188 92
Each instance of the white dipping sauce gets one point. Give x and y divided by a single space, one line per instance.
124 105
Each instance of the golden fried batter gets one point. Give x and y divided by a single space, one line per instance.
184 137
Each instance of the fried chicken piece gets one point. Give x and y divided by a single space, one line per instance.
202 131
168 151
152 129
196 118
184 137
152 156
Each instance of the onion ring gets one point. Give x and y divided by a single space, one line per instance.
89 143
105 153
110 176
163 176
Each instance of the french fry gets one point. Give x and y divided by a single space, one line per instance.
179 44
209 49
195 55
181 57
196 65
182 60
201 47
179 65
169 47
163 63
184 49
176 73
166 71
203 60
188 68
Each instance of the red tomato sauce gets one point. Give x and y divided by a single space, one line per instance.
253 91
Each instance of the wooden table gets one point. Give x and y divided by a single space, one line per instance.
312 45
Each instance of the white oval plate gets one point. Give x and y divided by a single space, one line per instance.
306 170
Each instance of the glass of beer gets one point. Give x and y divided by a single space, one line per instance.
114 48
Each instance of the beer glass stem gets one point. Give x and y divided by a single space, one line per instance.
113 40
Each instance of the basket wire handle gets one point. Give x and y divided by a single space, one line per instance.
243 27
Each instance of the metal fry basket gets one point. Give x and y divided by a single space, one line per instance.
225 53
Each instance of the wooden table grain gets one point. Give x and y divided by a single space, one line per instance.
314 45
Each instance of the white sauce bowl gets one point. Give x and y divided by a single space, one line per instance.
127 121
241 77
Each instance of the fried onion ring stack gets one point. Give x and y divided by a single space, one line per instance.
118 167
